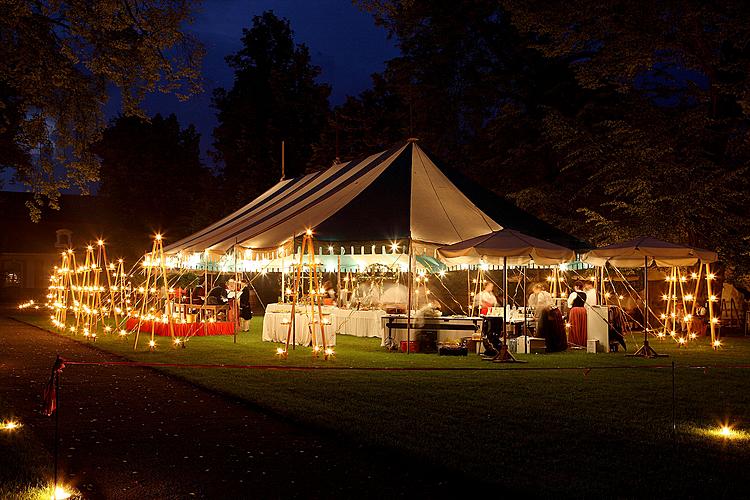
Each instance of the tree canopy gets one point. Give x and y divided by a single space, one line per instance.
609 119
59 62
275 97
153 177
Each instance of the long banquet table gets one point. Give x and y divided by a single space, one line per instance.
181 329
278 316
358 323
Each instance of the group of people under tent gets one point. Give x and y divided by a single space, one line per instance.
229 292
549 321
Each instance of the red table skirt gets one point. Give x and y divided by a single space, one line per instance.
182 329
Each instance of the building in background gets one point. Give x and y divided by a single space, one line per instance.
29 250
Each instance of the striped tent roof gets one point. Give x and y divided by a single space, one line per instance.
392 195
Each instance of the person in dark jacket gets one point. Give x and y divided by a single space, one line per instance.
246 310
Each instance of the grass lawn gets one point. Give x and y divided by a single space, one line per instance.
543 432
25 465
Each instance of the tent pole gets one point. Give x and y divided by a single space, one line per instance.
504 356
523 273
236 304
338 282
408 300
646 351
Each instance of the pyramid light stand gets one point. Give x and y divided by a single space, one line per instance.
316 301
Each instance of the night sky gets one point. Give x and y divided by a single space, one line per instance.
342 39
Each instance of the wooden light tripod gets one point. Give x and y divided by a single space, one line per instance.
312 298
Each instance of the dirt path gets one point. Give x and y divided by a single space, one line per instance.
134 433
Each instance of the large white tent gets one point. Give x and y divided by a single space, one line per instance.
395 195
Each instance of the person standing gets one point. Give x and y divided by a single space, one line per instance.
486 299
589 289
577 335
541 301
246 310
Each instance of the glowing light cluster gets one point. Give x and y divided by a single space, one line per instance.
10 425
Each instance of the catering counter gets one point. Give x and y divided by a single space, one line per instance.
448 328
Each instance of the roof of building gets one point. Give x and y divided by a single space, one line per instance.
84 216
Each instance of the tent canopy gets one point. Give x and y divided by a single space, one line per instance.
390 196
494 248
636 252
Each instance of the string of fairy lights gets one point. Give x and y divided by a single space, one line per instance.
90 295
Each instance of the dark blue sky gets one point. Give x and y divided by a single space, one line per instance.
343 41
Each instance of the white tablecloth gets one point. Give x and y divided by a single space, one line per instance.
358 323
276 325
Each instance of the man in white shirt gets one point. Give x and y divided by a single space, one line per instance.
540 299
486 299
590 290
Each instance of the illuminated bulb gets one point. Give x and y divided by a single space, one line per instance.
660 335
621 297
693 335
157 237
177 341
694 275
717 343
714 320
329 352
100 242
665 297
151 344
607 295
725 431
710 276
689 297
672 333
59 494
308 232
123 333
567 325
89 247
712 298
316 349
663 316
681 340
441 274
10 425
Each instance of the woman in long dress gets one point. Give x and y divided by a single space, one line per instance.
577 334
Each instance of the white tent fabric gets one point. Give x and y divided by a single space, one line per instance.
368 197
494 248
636 252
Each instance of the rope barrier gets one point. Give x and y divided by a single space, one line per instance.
143 364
